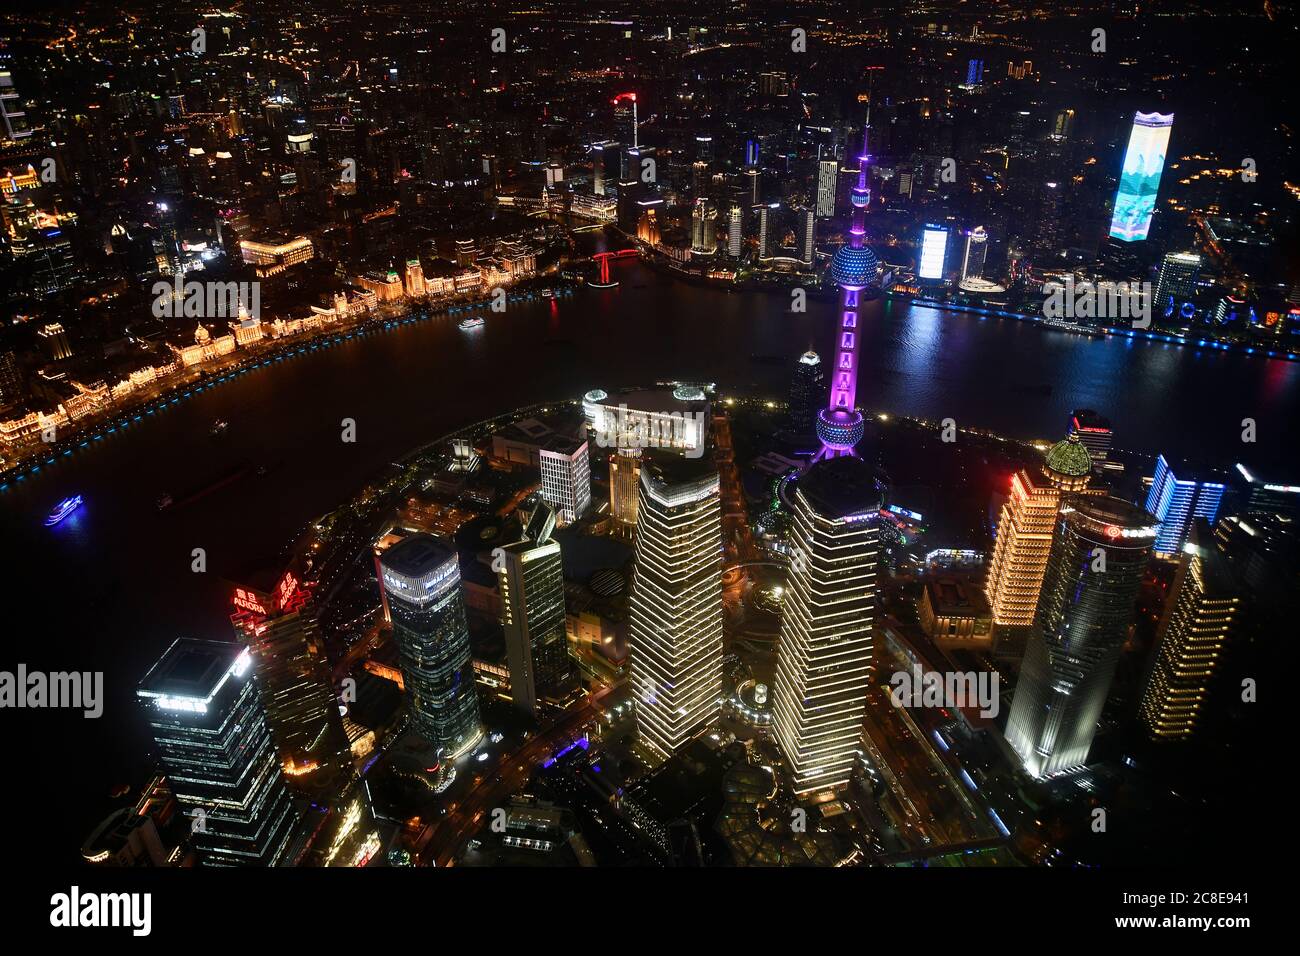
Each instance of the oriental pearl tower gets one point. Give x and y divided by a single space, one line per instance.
853 268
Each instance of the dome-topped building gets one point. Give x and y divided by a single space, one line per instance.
1068 465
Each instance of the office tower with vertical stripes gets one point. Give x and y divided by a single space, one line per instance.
676 603
1099 555
1177 502
829 609
1203 606
212 738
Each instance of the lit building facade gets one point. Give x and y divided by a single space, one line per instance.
1203 606
1025 528
271 258
1144 162
1099 555
676 604
1096 434
421 585
829 609
566 477
1177 502
301 709
531 580
624 489
216 749
1176 283
415 286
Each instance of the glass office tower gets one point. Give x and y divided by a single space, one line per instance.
1099 554
208 724
421 578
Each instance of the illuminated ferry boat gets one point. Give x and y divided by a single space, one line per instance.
476 322
62 510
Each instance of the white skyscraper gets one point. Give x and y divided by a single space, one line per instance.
566 477
807 223
824 664
827 173
676 634
977 248
734 235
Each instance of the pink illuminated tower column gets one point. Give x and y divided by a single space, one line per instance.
853 268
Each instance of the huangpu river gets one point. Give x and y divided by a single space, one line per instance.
110 588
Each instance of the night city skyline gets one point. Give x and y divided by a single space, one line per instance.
647 435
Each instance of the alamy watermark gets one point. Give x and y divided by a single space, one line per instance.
206 300
1098 300
952 689
678 429
77 909
76 690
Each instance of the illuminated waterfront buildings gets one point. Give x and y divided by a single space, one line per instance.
975 254
1099 554
301 709
1025 528
1144 161
421 583
531 580
212 738
853 268
828 615
1203 605
676 604
271 258
1177 502
932 263
1176 284
735 234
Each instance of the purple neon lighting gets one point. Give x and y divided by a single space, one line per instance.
842 403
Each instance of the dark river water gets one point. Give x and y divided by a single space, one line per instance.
111 587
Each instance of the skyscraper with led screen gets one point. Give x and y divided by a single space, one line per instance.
1144 161
934 248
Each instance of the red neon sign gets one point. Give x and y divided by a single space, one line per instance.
248 601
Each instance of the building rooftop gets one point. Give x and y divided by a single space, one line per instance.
417 554
1070 457
839 487
191 668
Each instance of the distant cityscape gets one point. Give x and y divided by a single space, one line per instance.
697 618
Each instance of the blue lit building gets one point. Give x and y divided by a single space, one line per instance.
1177 502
